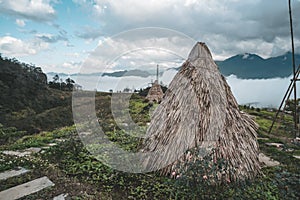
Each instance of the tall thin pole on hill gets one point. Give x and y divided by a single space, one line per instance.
294 70
157 74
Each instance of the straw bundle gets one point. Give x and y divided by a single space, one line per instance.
199 111
155 93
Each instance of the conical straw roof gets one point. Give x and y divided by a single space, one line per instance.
155 93
199 111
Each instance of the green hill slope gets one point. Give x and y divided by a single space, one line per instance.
26 101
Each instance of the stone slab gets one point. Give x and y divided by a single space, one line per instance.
267 161
23 153
33 149
60 140
298 157
60 197
26 189
273 144
11 173
52 144
17 153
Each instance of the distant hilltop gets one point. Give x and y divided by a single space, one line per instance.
244 66
252 66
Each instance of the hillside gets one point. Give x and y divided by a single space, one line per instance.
26 101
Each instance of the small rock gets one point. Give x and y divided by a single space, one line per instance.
16 153
288 150
33 149
273 144
60 197
267 160
296 140
60 140
298 157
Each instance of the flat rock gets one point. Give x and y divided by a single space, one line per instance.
298 157
289 150
33 149
273 144
52 144
23 153
267 161
60 197
26 189
60 140
11 173
296 140
17 153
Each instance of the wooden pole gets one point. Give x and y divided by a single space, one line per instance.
157 74
286 97
294 70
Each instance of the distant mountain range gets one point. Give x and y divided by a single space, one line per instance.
252 66
135 72
244 66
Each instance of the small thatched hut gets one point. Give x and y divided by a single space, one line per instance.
155 93
200 112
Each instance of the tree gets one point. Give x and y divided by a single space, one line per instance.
55 78
127 90
55 84
70 84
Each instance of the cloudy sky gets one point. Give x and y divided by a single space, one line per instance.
61 35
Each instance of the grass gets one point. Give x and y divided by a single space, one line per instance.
37 140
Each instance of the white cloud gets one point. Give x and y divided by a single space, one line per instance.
139 49
244 26
20 22
15 47
68 67
71 66
89 33
50 38
37 10
74 55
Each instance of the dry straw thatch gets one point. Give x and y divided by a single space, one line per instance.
199 111
155 93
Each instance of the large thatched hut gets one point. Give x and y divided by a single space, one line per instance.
199 115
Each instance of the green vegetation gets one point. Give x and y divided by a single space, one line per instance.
283 128
26 101
59 84
75 165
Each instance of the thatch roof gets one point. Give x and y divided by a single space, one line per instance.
155 93
199 111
